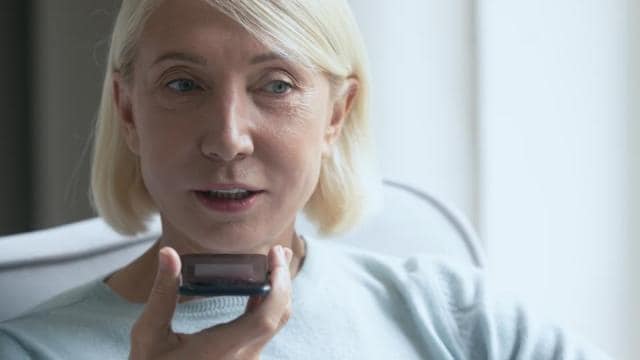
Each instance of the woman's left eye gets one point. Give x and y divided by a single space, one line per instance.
278 87
182 85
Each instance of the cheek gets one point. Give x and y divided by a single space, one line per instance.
164 141
296 124
297 133
163 131
299 122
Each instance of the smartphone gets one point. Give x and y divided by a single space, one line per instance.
224 275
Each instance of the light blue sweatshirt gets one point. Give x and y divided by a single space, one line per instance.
347 304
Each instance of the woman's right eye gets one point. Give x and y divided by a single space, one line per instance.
182 85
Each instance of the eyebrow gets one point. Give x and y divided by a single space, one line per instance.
181 56
200 60
265 57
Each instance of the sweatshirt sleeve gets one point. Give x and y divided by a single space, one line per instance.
10 348
489 328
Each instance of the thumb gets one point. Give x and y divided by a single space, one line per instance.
163 297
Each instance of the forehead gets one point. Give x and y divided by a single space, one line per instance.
193 26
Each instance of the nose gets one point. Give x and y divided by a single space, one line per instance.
228 135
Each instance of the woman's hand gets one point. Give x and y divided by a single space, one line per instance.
242 338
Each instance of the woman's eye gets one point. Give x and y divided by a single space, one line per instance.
278 87
182 85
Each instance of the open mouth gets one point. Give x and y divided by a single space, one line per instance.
227 200
227 194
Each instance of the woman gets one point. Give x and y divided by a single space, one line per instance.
228 118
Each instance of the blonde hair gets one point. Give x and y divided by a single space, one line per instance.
320 34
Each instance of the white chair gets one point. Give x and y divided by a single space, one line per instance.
37 265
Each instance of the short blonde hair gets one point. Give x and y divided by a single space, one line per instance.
320 34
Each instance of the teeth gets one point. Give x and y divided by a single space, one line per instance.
230 191
228 194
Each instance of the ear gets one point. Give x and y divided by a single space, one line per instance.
124 108
341 109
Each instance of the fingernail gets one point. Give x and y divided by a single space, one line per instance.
162 259
164 263
289 255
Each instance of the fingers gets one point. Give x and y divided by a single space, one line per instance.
274 310
253 303
266 315
158 311
242 338
256 300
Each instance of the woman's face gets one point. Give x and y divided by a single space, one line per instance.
209 107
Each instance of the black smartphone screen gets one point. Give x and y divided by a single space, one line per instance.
224 274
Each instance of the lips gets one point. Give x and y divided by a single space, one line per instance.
228 203
235 194
230 186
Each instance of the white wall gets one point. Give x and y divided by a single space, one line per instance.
555 189
536 140
633 137
422 65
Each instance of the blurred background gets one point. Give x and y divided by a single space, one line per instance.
523 114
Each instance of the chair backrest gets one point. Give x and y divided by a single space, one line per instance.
37 265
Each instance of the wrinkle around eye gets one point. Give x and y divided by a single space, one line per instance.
193 85
177 73
182 85
288 87
168 95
